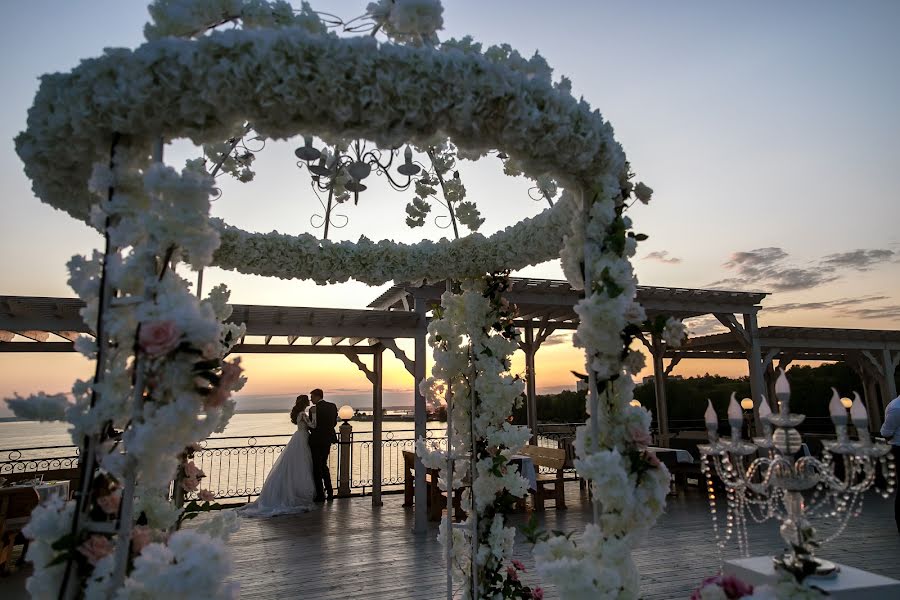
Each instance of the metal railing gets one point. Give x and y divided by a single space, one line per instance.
236 466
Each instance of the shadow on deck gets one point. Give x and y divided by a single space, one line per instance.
349 549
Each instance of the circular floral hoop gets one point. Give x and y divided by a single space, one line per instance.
288 82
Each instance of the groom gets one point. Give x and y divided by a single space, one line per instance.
320 440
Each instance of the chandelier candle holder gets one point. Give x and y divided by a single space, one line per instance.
766 479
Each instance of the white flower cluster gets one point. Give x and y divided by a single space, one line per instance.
162 378
187 18
49 522
531 241
410 21
473 363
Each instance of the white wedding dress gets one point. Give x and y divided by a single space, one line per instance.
289 486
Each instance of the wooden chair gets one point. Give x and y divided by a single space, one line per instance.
16 505
548 485
437 498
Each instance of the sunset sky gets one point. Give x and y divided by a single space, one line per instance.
768 130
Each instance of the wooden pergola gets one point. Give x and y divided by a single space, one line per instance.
38 324
873 354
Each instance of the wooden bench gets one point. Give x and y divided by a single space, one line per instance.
437 498
549 485
16 505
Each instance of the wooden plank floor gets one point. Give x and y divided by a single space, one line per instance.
349 549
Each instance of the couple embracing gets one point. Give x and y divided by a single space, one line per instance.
300 476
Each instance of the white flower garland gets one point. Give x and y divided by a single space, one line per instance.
473 340
286 76
410 96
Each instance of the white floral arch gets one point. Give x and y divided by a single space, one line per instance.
93 148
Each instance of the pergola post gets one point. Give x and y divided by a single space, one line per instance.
421 493
530 388
659 384
377 420
754 358
888 368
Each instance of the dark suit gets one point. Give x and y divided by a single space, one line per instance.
320 440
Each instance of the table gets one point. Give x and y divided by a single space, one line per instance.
682 456
50 489
526 469
850 582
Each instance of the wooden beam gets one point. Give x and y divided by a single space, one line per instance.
355 340
6 336
283 349
38 336
68 335
268 339
731 322
337 340
408 363
672 364
36 347
316 339
292 339
369 373
770 356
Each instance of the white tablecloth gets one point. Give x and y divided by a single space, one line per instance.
526 469
682 456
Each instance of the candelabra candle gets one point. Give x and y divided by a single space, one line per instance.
735 418
764 412
794 489
860 420
712 423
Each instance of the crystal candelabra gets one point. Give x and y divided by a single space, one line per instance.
767 479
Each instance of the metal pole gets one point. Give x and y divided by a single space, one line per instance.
420 524
345 431
530 386
377 408
754 358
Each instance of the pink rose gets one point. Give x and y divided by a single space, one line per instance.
206 496
231 374
95 548
158 338
141 535
734 587
109 503
638 434
511 573
190 484
191 470
537 593
216 398
518 565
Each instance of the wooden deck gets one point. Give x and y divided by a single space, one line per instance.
349 550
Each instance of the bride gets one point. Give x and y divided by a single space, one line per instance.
289 486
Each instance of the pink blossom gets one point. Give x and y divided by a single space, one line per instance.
158 338
518 565
95 548
190 484
537 593
206 496
512 573
734 587
653 459
141 535
639 434
191 470
231 374
109 503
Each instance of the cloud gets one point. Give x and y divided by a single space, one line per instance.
771 269
663 257
891 312
558 338
861 260
823 304
705 325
